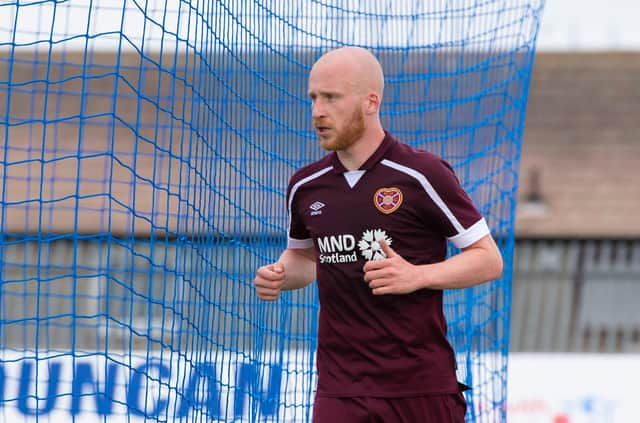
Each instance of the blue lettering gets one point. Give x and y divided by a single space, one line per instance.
208 390
270 403
1 385
248 381
246 377
84 376
135 388
52 390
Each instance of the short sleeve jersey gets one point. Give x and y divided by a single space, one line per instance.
386 345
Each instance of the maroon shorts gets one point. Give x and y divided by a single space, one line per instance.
441 408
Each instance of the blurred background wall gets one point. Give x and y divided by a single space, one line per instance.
575 318
577 271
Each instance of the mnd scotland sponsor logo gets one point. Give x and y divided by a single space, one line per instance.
336 249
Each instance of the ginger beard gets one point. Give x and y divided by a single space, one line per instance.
347 136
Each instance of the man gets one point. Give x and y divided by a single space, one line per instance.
370 222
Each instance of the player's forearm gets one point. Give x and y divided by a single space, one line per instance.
299 267
473 266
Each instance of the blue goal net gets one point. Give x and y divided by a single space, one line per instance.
145 149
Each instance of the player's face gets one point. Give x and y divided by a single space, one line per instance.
350 132
337 111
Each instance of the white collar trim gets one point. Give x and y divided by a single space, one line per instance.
353 176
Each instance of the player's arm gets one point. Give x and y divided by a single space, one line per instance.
299 267
295 269
477 263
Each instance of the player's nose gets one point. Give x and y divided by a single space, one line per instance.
318 110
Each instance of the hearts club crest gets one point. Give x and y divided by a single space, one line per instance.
387 200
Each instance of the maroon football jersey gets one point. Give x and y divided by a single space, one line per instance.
388 345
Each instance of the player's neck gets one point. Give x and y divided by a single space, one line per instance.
355 156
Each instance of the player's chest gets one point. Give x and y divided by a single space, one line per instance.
335 207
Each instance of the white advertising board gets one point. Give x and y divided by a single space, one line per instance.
89 388
132 388
573 388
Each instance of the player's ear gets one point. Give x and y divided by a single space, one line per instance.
372 104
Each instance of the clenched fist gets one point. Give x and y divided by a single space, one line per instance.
269 281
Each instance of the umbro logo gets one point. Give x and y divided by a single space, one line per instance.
315 208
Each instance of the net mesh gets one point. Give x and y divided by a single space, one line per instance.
145 149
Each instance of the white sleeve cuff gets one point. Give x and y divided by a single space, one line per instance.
471 235
297 244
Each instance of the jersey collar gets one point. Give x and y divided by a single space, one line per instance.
374 159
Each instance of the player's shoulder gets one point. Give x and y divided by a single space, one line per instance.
418 160
311 171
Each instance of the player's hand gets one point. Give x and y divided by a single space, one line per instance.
269 281
393 275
